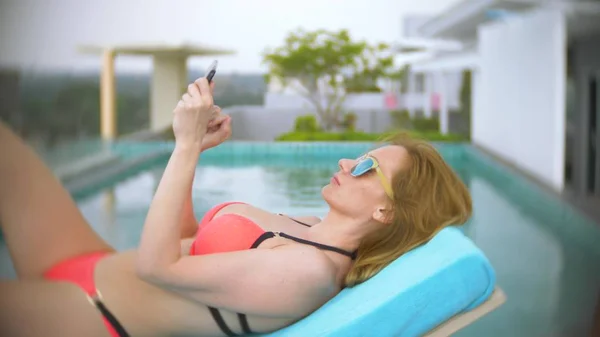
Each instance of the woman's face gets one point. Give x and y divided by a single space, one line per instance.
359 195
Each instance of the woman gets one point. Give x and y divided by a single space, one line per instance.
241 270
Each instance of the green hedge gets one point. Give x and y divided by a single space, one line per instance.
424 124
306 123
361 137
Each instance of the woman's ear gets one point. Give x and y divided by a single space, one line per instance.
383 214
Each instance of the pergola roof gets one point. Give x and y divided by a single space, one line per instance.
179 49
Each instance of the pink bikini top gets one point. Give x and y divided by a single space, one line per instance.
233 232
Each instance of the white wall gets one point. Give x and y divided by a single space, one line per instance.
264 124
365 101
519 111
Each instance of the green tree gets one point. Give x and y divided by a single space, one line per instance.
323 66
375 63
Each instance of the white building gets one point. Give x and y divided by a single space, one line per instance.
428 93
535 84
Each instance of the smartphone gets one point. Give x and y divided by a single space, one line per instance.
210 73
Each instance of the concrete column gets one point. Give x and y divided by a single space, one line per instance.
108 120
169 82
427 95
444 116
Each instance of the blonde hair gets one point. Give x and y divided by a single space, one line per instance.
428 196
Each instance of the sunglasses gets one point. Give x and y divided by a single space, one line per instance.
367 163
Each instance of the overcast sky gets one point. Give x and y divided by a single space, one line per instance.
38 34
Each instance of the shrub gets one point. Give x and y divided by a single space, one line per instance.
349 122
424 124
328 136
350 136
435 136
400 119
306 123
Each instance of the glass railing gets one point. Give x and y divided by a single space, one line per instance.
67 153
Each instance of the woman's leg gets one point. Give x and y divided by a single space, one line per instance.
40 221
39 308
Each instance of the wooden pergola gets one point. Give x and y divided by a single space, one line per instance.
169 77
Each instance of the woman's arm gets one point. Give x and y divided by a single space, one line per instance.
197 126
189 223
282 282
159 246
216 134
160 243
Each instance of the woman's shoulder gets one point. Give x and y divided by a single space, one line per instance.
310 262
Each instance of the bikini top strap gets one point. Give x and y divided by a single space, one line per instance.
297 221
351 255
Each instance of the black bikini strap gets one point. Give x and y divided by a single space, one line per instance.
263 237
351 255
109 317
220 321
297 221
267 235
244 323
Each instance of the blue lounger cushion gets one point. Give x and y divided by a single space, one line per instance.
414 294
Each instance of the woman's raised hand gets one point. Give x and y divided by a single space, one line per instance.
218 131
193 113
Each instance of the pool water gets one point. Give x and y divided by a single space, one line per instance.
546 256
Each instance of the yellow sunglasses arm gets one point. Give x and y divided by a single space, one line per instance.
384 182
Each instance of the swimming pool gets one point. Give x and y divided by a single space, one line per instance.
546 255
